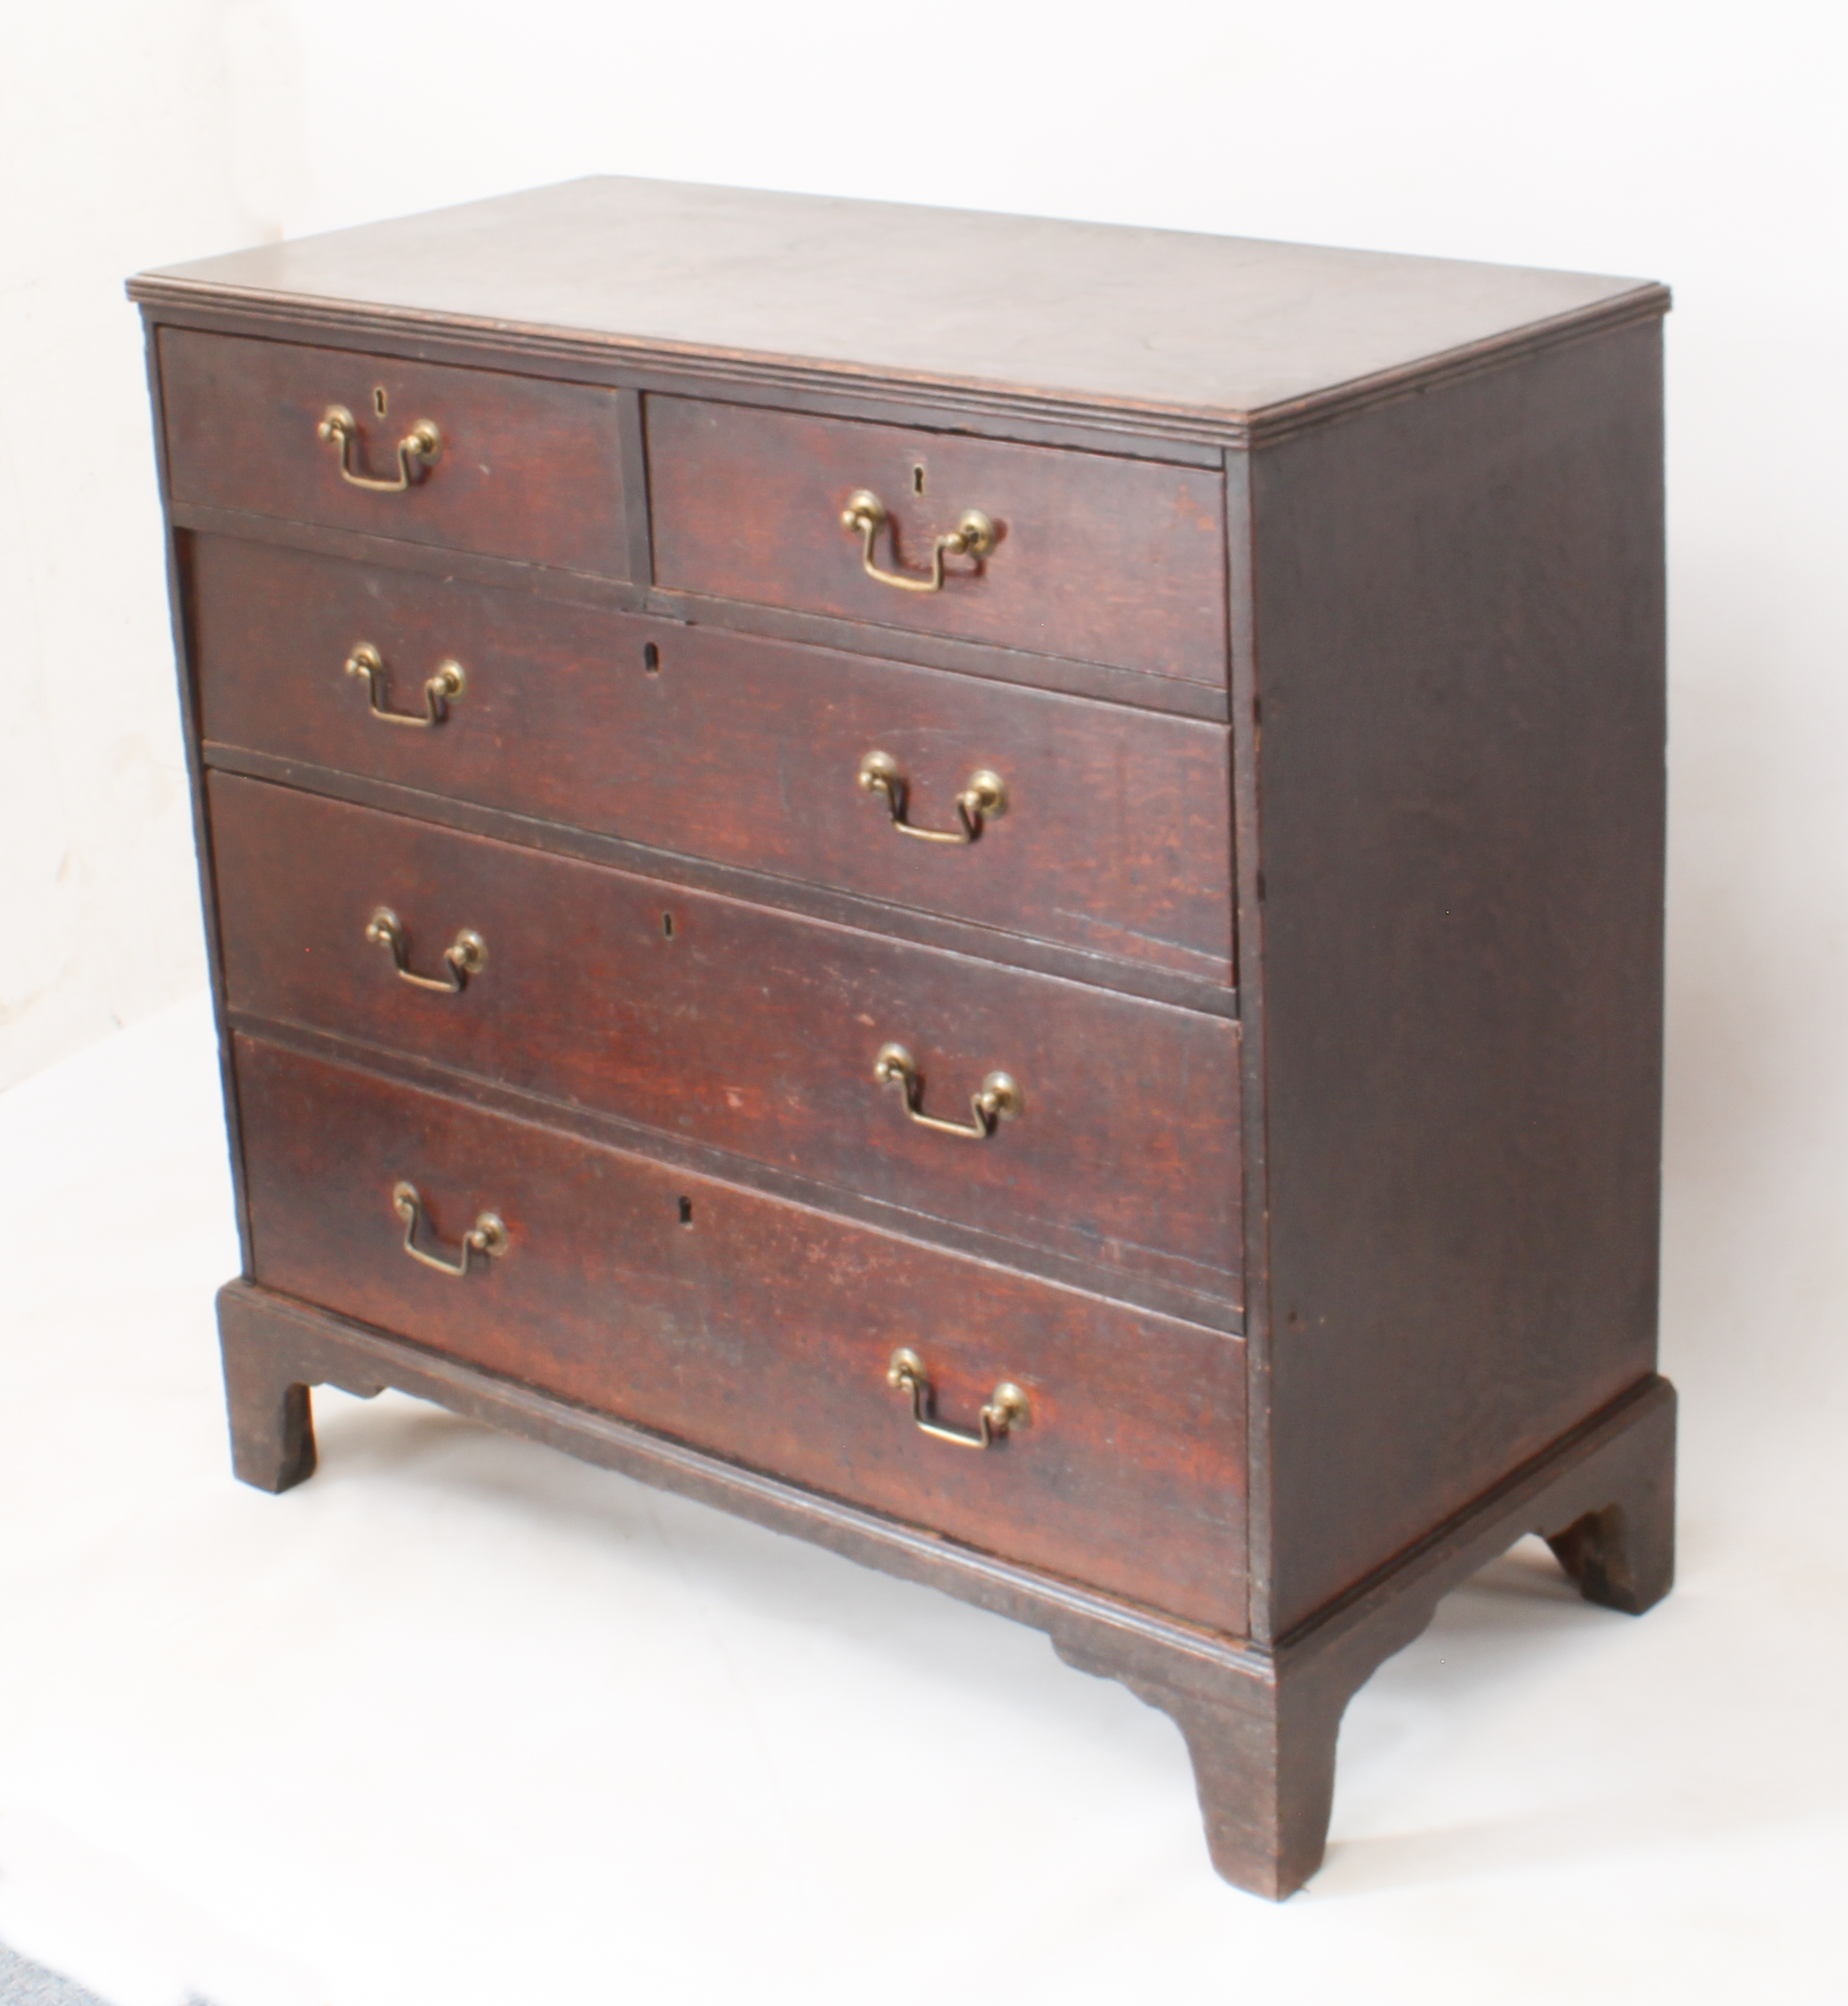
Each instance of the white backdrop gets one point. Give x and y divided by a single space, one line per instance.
1697 143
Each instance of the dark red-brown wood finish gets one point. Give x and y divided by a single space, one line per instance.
1114 836
1310 1259
762 1332
523 468
752 1031
1098 558
1461 760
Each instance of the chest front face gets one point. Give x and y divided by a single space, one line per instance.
661 822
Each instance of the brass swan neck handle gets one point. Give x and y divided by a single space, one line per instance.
866 515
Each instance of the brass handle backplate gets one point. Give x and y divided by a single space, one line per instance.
1007 1407
866 515
466 955
995 1101
440 690
420 447
486 1237
985 796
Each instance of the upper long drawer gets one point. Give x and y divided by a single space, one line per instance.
467 458
1089 556
1115 833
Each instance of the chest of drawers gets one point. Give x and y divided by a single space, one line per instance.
987 890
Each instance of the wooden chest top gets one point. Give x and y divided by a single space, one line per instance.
1228 337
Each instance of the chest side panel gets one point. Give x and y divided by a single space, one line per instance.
1460 663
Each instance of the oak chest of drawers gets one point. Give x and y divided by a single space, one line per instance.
988 889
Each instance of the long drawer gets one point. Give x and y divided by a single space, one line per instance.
1114 833
759 1330
746 1029
1087 556
472 459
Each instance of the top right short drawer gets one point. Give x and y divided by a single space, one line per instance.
1090 556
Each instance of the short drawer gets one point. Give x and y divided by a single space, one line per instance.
1094 558
522 468
1115 833
750 1031
759 1330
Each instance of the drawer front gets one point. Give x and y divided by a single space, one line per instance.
1116 832
761 1331
525 468
752 1031
1096 559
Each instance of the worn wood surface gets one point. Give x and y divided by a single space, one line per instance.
1170 695
784 894
528 469
1426 581
1121 324
1459 643
1115 837
1103 559
753 1030
1260 1725
726 1318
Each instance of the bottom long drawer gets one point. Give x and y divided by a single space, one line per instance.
760 1330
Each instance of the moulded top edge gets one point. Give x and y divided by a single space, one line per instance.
1231 335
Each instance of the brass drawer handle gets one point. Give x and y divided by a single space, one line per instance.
421 445
985 796
486 1237
866 515
466 955
439 691
1007 1407
997 1098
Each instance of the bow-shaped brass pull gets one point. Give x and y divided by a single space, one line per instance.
985 795
486 1237
466 955
420 447
866 515
998 1096
439 691
1007 1406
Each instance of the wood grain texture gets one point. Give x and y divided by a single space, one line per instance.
1460 654
761 1333
1398 521
1167 694
752 1031
528 469
1099 558
1026 312
785 894
747 751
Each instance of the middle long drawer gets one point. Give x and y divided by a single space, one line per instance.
747 1030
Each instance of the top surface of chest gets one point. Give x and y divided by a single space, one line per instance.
1098 321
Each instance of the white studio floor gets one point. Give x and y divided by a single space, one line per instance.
462 1721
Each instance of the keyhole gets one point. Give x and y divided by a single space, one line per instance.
651 658
667 925
917 478
379 406
686 1211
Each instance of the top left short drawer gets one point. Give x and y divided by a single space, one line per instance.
522 467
